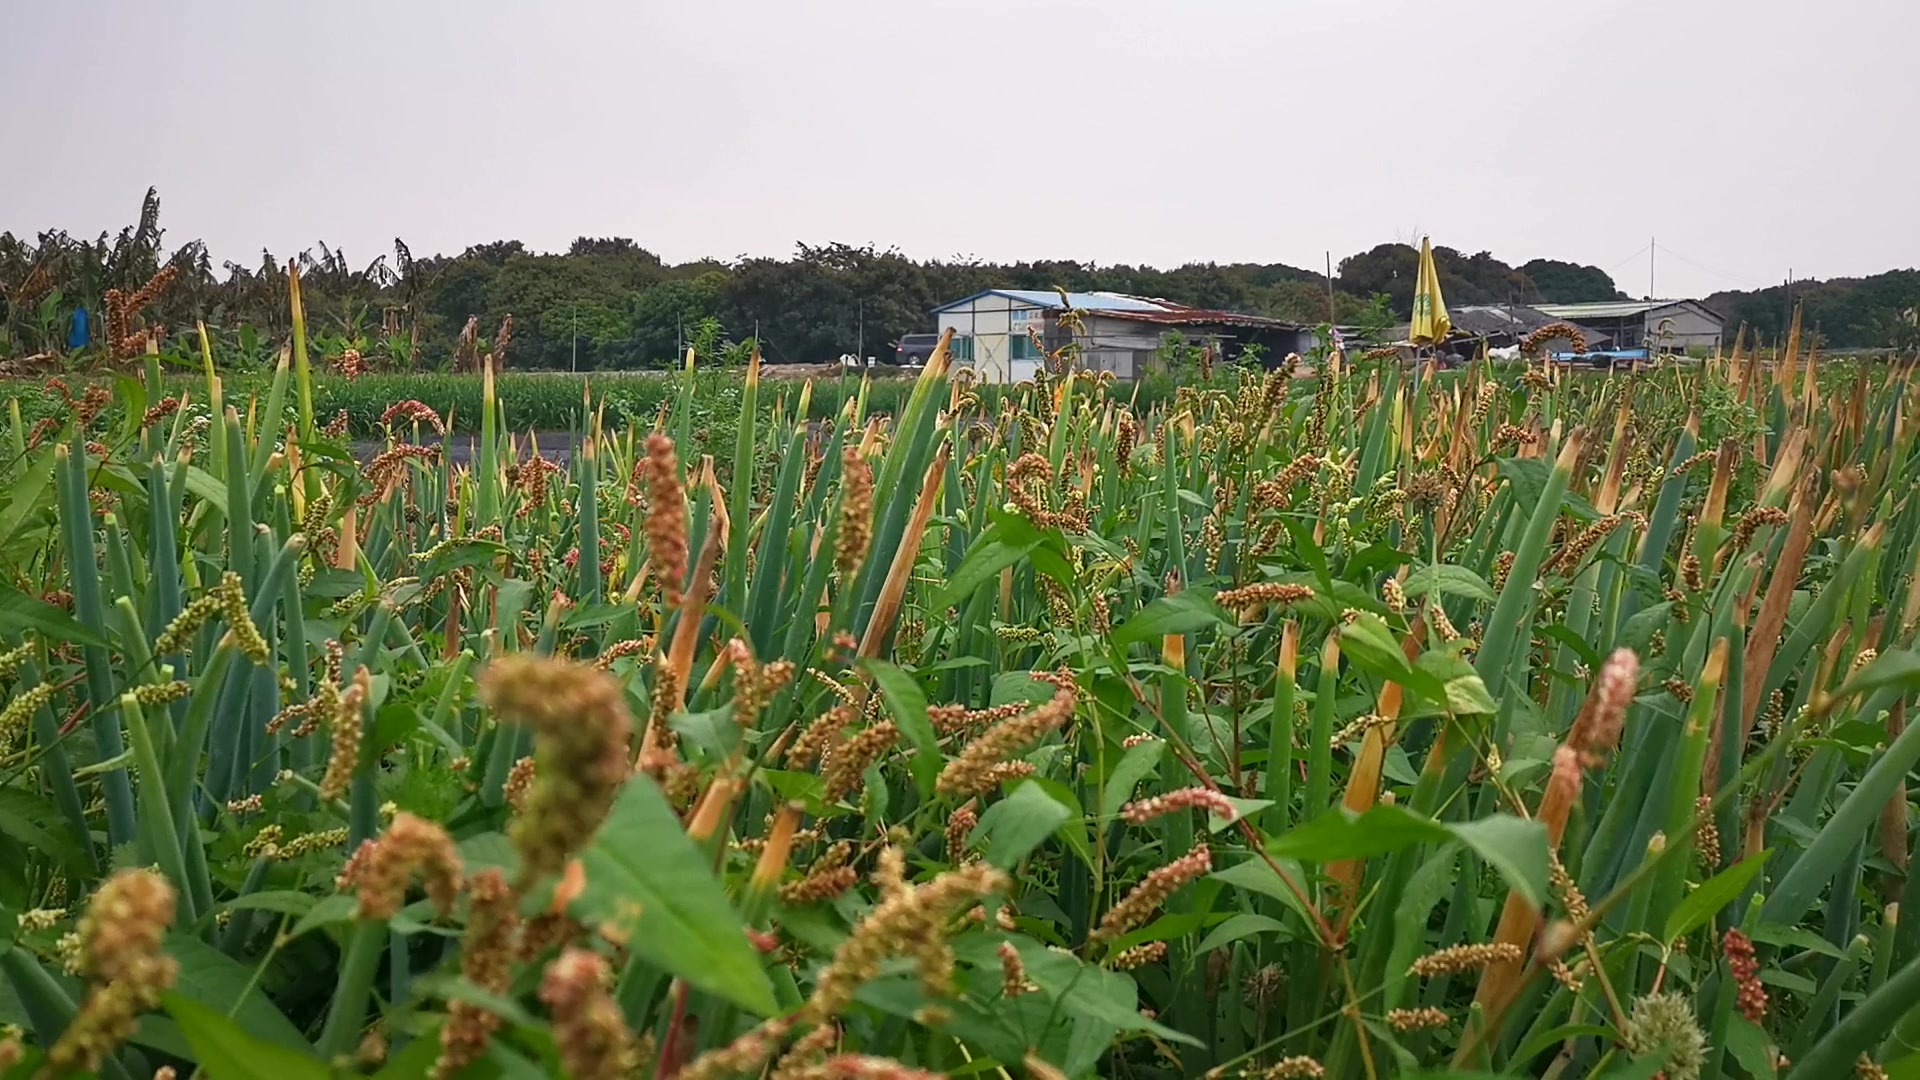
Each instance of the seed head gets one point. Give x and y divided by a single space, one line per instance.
666 518
909 920
382 868
856 514
126 920
849 761
1416 1019
1667 1020
1144 899
1195 798
1139 956
590 1033
118 949
582 733
349 721
1013 972
1744 966
970 772
1597 729
519 783
1459 958
1263 594
486 960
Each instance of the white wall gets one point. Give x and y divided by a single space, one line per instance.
1686 327
989 322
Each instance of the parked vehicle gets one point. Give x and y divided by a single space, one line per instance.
915 349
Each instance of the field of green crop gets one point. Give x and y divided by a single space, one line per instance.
1380 724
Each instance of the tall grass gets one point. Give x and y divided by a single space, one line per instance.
1379 724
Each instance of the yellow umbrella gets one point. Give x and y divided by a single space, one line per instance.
1431 324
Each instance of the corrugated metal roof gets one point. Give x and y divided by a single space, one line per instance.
1609 309
1121 306
1047 298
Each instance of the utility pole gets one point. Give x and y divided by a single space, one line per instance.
1330 317
860 334
1651 248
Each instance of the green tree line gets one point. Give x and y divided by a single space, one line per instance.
608 303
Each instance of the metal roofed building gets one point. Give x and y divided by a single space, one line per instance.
994 330
1675 324
1499 325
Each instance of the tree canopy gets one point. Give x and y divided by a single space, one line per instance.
608 302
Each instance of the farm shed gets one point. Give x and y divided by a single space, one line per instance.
1629 324
994 330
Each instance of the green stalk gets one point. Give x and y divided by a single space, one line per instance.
1823 1009
76 520
1870 1020
348 1013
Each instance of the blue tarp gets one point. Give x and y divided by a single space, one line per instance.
78 331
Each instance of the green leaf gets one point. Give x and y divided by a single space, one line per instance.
226 1051
1461 691
213 979
1012 686
1895 667
20 613
37 823
1715 893
1448 581
982 563
1254 875
328 912
1019 823
644 872
1242 808
908 704
713 731
1515 848
1135 765
1240 926
279 901
25 495
1181 613
1750 1046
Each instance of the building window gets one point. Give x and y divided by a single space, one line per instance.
961 348
1022 348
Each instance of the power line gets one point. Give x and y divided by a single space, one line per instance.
1741 278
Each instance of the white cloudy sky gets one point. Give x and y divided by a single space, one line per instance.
1748 136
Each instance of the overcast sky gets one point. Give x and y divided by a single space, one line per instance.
1748 136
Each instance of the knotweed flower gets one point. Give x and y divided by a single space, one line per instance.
1138 905
1193 798
1013 972
908 920
970 773
1416 1019
1139 956
1744 966
1459 958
